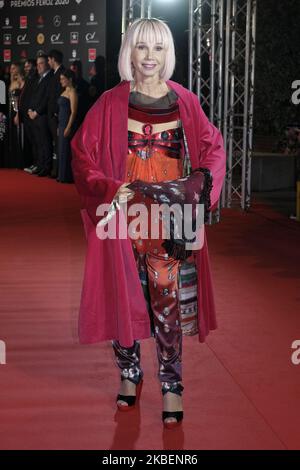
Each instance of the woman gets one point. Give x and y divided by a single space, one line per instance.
67 112
16 130
3 117
146 128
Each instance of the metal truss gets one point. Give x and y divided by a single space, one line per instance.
132 9
206 68
221 73
238 100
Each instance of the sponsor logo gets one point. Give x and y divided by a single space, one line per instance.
40 39
78 1
22 39
6 55
23 22
57 21
40 21
74 56
92 21
55 39
90 38
92 55
74 37
7 39
74 21
7 24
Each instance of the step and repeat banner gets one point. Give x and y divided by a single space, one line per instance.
75 27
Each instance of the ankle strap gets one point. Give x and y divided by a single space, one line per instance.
174 387
134 376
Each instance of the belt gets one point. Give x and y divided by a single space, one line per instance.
140 127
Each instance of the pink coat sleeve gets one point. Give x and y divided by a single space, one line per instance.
91 158
212 152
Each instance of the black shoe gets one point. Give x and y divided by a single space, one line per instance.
30 169
178 415
43 173
36 170
131 400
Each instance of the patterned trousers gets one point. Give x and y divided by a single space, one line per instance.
159 276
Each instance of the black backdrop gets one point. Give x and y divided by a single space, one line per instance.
76 27
107 36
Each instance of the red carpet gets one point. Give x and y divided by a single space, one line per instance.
241 389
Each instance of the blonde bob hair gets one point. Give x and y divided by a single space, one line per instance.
144 30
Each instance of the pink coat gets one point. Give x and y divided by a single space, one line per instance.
112 301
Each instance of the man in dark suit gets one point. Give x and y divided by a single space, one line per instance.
37 112
82 89
55 59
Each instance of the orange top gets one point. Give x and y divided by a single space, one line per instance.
154 157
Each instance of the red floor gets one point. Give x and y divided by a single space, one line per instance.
241 389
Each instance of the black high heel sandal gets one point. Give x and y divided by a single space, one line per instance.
131 400
176 388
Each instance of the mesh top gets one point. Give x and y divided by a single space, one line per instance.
140 99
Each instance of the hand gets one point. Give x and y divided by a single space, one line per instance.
16 120
124 194
67 132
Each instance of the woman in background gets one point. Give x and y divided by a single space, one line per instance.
16 131
3 116
67 105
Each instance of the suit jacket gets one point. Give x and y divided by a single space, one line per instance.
26 96
54 91
112 301
39 98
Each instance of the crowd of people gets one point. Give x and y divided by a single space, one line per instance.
45 105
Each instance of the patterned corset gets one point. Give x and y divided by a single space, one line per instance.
167 141
154 156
